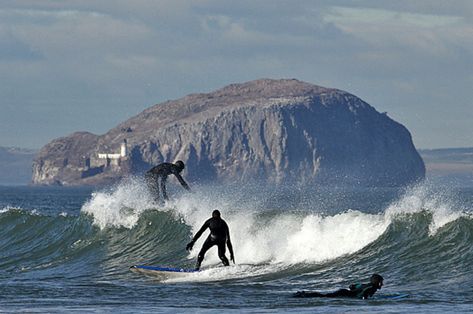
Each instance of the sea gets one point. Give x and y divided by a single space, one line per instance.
69 250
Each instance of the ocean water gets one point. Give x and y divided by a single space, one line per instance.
70 249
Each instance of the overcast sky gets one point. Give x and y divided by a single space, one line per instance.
70 66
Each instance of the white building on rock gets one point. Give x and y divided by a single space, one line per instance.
114 158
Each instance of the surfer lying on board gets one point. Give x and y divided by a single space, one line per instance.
361 291
219 235
162 171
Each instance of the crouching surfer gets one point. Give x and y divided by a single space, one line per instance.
157 176
361 291
219 236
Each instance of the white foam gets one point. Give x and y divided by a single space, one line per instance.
260 238
119 207
319 238
5 210
8 208
225 273
285 238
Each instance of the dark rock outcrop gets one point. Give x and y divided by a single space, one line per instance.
271 130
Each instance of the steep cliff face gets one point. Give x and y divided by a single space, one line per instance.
271 130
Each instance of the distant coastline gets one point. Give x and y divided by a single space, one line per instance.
15 165
449 165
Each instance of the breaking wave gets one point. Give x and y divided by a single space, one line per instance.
122 226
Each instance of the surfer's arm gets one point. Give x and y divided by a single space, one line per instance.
181 180
202 229
190 245
368 292
229 244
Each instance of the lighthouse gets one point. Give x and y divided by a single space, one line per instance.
123 149
114 159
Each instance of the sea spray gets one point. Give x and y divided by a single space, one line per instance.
284 237
424 198
119 206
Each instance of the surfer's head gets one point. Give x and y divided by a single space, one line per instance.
376 280
180 165
216 214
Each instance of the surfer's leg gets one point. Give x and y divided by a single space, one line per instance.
152 182
205 247
163 188
221 253
307 294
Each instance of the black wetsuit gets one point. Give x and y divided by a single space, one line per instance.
219 235
360 291
162 171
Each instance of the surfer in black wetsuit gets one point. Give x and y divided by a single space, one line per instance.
360 291
162 171
219 235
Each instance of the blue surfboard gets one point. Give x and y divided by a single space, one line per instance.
162 269
396 296
162 273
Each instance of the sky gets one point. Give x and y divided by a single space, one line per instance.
69 66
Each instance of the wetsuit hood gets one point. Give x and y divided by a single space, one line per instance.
377 281
180 165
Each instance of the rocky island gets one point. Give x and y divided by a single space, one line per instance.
275 131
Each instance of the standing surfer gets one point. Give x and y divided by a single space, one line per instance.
219 235
161 172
